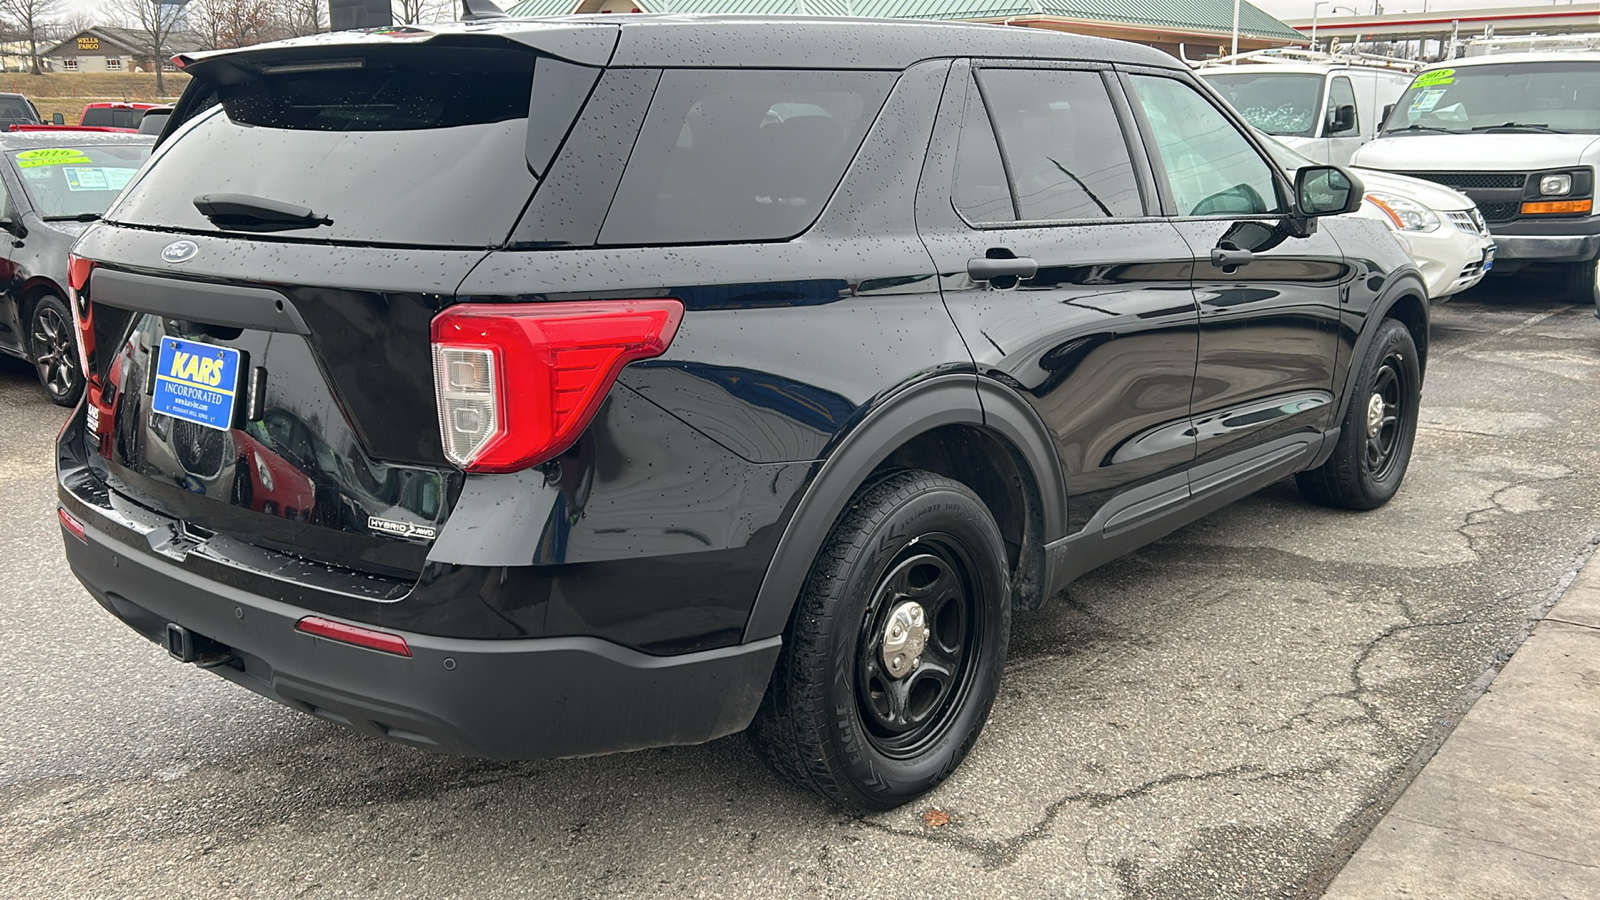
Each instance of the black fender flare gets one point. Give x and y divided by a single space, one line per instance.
1407 283
950 399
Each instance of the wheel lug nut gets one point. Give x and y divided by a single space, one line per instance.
916 662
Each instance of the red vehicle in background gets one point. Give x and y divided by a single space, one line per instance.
109 116
121 116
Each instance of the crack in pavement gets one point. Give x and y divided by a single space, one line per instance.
1483 840
997 853
1572 623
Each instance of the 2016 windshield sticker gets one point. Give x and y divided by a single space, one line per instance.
1427 100
62 156
1437 76
97 178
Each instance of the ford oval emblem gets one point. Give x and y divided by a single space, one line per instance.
179 251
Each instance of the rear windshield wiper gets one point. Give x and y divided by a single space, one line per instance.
80 217
1519 126
246 213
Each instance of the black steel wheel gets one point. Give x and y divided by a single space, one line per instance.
895 649
1384 407
55 350
1379 427
919 634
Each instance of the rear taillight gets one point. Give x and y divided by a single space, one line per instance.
518 383
78 270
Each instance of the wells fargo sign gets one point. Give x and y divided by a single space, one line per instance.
88 43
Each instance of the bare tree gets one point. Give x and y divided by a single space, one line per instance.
413 12
73 21
225 24
30 18
302 17
153 23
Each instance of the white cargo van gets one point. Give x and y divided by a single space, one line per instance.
1324 106
1519 133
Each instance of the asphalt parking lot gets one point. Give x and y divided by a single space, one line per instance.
1223 714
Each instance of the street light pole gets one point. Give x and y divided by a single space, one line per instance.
1235 29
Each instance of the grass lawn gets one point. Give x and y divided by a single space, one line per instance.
67 92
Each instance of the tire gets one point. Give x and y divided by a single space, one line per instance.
1379 428
1583 283
54 350
870 728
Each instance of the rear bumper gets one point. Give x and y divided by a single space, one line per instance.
512 699
508 698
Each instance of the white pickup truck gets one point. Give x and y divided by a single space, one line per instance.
1519 134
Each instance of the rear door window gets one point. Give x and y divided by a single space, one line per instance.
1063 145
422 146
981 193
741 155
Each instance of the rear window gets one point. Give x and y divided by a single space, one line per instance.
741 155
16 109
417 147
109 117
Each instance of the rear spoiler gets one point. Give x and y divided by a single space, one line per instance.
587 43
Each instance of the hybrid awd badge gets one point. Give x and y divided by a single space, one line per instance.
179 251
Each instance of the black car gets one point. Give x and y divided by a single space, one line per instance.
51 187
644 379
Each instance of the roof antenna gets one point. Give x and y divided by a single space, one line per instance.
480 10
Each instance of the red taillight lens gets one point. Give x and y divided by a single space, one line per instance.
78 270
517 383
72 525
354 634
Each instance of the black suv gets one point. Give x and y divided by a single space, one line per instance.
559 387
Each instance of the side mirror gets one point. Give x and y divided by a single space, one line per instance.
1326 191
1384 119
1342 120
58 119
13 227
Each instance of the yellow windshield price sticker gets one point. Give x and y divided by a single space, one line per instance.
1436 77
27 159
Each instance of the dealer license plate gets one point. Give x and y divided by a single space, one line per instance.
196 382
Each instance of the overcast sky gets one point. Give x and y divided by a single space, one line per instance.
1283 9
1301 9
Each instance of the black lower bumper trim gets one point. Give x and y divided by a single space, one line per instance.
506 699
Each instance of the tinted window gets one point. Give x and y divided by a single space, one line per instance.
741 155
1283 103
1211 168
66 181
981 193
98 116
1341 93
420 147
1062 144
